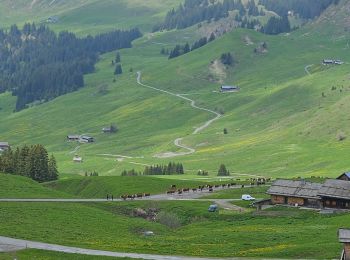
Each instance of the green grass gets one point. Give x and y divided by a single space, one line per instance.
87 17
98 187
256 192
47 255
21 187
278 232
279 124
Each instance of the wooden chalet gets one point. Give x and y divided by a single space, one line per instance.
73 138
4 146
344 237
328 61
229 89
86 139
345 176
107 130
335 194
295 192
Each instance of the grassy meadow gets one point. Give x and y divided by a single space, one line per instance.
279 125
277 232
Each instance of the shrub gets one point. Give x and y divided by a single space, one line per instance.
169 219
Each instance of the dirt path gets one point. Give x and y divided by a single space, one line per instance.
307 67
11 244
178 141
76 149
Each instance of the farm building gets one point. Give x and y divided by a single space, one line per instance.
331 194
295 192
77 159
345 176
72 138
335 194
107 130
4 146
327 61
86 139
229 89
344 237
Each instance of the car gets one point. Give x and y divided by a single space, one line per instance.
213 208
247 197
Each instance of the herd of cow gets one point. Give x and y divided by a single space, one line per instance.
174 190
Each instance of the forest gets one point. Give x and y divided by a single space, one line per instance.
29 161
307 9
37 65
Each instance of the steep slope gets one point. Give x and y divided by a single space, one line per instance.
86 16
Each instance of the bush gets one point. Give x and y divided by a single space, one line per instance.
169 219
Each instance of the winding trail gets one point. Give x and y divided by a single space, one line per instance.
307 67
178 141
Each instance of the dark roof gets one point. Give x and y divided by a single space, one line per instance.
347 174
335 189
295 188
344 235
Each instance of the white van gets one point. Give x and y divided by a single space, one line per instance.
247 197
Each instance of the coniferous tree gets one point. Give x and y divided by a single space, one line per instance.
223 171
117 57
52 169
118 69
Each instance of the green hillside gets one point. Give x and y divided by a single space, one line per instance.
98 187
283 122
22 187
88 16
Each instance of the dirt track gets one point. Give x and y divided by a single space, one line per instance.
177 142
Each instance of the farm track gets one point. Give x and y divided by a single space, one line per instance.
178 141
307 67
8 244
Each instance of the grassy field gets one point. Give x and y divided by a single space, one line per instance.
98 187
278 232
279 124
22 187
47 255
85 16
256 192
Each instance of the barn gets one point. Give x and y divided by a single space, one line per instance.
345 176
295 192
229 89
344 238
72 138
335 194
4 146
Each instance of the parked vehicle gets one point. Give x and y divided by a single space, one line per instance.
247 197
213 208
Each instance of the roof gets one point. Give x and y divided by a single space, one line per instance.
295 188
336 189
73 136
86 137
344 235
229 87
347 174
4 144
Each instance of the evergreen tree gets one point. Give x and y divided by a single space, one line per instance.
118 69
52 169
223 171
117 57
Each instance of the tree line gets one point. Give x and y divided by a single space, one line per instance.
195 11
38 65
307 9
170 169
183 49
29 161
